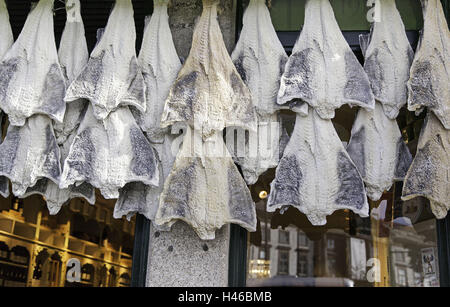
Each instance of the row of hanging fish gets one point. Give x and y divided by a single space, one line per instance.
114 121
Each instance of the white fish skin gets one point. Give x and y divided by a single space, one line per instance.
30 153
205 189
32 81
4 183
112 78
6 35
316 174
322 70
378 151
430 72
160 65
73 55
208 93
109 154
136 197
428 175
388 59
260 57
260 150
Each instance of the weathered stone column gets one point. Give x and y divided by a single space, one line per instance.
179 257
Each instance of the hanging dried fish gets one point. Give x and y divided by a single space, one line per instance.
388 59
316 174
204 188
6 35
208 93
160 65
428 175
30 153
260 59
109 154
32 81
322 70
378 150
430 72
112 77
73 56
136 197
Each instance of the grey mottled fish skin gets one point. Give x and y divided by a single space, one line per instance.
260 150
32 80
73 55
388 59
136 197
428 175
6 35
208 93
160 65
378 151
316 174
429 81
4 183
30 153
260 59
109 154
205 189
112 78
322 70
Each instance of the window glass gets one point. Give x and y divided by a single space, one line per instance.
395 246
84 241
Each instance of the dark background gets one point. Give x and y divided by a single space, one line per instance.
94 13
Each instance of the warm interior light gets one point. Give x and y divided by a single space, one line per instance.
263 194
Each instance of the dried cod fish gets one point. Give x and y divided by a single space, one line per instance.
260 59
205 189
32 81
322 70
73 56
6 35
378 150
430 72
428 175
30 153
160 65
388 59
112 77
316 174
109 154
208 93
258 151
136 197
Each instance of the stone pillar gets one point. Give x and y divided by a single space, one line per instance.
179 257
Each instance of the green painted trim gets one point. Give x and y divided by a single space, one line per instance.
288 15
237 258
